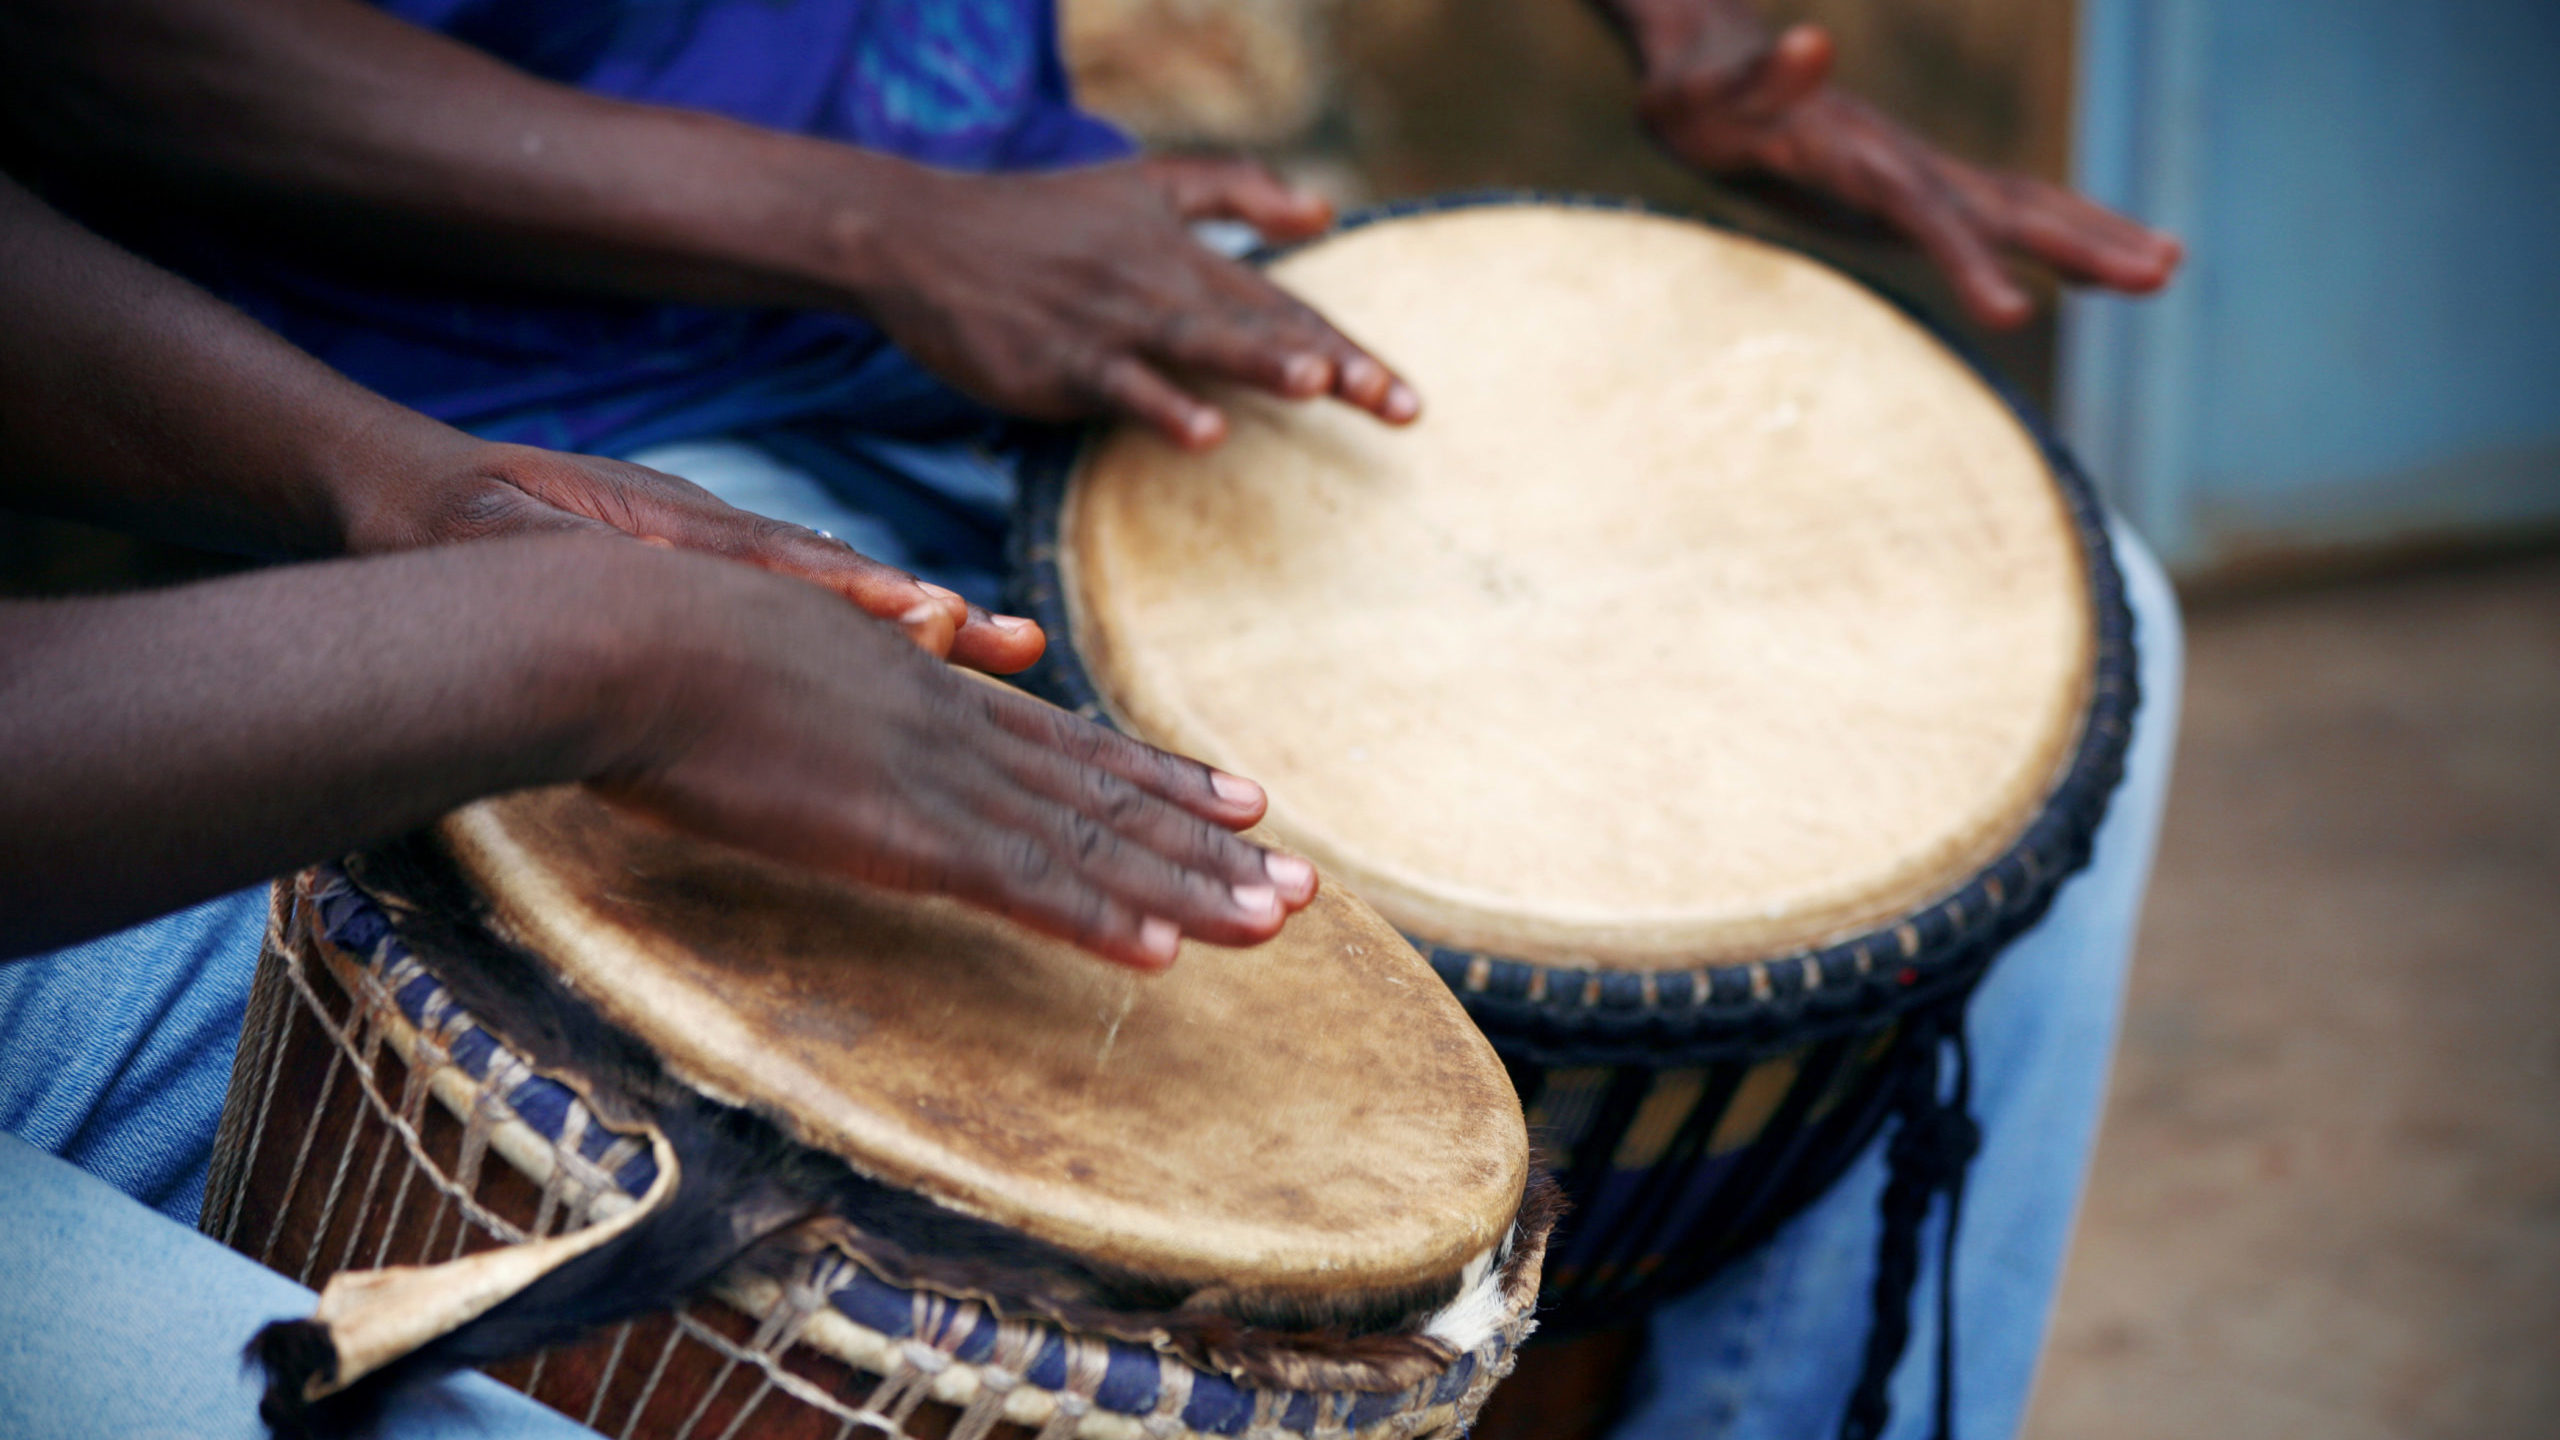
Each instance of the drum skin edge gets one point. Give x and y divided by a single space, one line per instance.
919 1358
1620 1043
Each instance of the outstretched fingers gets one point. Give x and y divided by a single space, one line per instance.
2083 242
1212 794
1208 187
664 509
936 619
1911 194
1186 809
1082 833
1133 388
1265 337
1053 850
948 846
1197 845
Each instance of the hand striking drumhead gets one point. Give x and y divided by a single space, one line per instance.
1711 610
1315 1114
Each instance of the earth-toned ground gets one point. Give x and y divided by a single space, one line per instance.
2327 1197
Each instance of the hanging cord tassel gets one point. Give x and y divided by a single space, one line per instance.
1966 1138
1933 1146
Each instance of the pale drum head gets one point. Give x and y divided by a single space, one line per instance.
1712 610
1313 1116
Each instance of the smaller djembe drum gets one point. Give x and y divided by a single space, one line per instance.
1712 682
826 1161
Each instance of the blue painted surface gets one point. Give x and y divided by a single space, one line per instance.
2366 341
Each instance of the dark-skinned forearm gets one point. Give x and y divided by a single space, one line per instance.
330 118
132 399
170 746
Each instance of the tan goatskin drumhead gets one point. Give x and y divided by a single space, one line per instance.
1313 1114
1713 609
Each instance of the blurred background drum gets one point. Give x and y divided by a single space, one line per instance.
834 1160
1711 683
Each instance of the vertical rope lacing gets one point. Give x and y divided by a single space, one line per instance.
1933 1146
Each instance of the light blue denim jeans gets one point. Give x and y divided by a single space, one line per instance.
120 1324
113 1053
1769 1349
116 1054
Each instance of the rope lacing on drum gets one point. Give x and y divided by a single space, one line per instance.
1933 1147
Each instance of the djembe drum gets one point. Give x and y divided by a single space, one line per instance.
1711 683
837 1161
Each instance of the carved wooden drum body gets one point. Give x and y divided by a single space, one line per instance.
888 1165
1710 683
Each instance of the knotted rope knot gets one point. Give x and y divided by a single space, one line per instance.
1934 1145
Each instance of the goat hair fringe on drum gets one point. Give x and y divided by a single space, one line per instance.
743 1182
734 1194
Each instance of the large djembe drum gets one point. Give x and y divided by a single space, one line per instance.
1711 683
827 1161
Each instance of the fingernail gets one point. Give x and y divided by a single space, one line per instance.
1295 877
1360 372
1159 938
1260 901
1302 375
936 591
1235 789
924 614
1012 624
1202 428
1402 403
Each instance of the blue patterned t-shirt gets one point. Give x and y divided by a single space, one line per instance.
962 84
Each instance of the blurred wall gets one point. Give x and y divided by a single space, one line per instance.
2364 352
1200 72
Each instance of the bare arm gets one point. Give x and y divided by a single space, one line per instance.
132 399
293 114
328 123
1725 93
168 746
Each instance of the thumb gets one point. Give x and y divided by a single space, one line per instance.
660 509
1756 82
1207 187
939 621
930 615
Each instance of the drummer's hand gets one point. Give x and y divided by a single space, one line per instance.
779 722
1723 94
474 490
1083 293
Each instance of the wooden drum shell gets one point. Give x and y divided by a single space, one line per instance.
333 1156
342 1190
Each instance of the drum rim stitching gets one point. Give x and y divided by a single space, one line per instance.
1541 1008
380 1006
